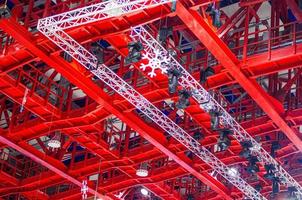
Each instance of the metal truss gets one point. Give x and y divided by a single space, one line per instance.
96 12
79 53
208 102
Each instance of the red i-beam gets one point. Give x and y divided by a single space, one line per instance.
154 136
224 55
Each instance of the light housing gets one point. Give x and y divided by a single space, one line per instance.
144 192
142 172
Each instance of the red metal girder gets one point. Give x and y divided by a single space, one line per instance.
34 103
209 38
6 178
43 160
154 136
295 9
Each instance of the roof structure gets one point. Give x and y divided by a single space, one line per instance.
150 99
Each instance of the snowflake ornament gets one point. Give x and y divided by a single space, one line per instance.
157 60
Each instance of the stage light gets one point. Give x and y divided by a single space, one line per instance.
198 135
275 185
275 146
135 54
183 100
173 76
246 149
142 172
253 168
269 171
224 141
144 192
98 51
164 33
55 142
215 119
258 187
205 73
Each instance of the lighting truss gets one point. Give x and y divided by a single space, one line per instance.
96 12
208 102
89 61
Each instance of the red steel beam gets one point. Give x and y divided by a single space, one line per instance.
154 136
224 55
41 159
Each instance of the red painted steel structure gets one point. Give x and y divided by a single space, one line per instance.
103 134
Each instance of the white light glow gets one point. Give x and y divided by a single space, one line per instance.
54 143
144 192
142 172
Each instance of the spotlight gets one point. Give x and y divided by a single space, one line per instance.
66 56
292 193
134 55
275 185
164 33
144 192
269 171
215 119
55 142
245 152
253 167
183 100
258 187
98 52
198 135
205 73
190 197
189 154
143 170
224 141
275 146
173 75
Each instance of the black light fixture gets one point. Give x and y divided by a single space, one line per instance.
198 135
215 114
224 141
184 99
66 56
164 33
245 152
135 54
98 51
253 168
190 197
275 146
270 168
275 185
205 73
292 193
258 187
173 75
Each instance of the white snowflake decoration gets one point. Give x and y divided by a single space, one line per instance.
157 60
